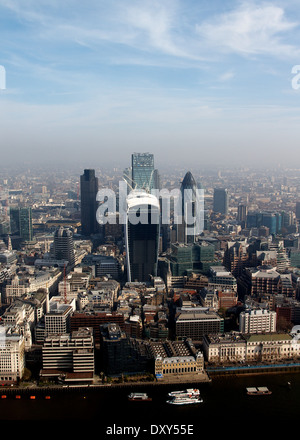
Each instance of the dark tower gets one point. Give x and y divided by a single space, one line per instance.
88 193
221 201
142 231
63 245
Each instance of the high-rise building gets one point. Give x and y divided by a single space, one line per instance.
26 231
221 201
14 216
142 230
21 222
242 213
298 210
186 230
271 220
63 245
88 194
143 174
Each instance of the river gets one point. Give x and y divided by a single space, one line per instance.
226 406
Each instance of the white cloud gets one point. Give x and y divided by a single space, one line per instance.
250 30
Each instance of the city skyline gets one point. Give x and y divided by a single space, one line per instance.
192 82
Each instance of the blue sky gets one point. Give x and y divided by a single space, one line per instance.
197 83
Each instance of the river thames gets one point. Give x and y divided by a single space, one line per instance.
226 406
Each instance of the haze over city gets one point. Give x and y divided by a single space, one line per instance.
192 82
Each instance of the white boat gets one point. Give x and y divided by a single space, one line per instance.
186 393
184 400
139 397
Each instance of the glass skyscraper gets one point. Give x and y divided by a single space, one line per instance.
21 222
88 194
186 231
143 174
142 232
221 200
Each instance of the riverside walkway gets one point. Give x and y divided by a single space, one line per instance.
252 369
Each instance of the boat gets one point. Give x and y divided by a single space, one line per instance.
185 400
185 393
139 397
258 391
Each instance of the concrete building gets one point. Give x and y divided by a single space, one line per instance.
224 348
12 354
57 319
69 357
195 325
238 347
257 321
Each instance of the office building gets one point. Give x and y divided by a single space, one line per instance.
220 201
88 194
187 228
236 256
14 216
257 321
142 230
12 354
273 221
143 174
121 354
63 246
230 347
26 231
69 357
238 347
195 324
57 319
21 222
297 210
242 213
220 278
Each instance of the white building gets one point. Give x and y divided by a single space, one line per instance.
257 321
30 281
12 354
57 320
237 347
230 347
271 347
69 357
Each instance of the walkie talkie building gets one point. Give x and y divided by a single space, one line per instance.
142 229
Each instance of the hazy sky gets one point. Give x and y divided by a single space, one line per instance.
192 81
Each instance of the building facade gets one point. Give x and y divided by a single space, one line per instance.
257 321
88 194
63 246
69 357
220 201
12 354
142 230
